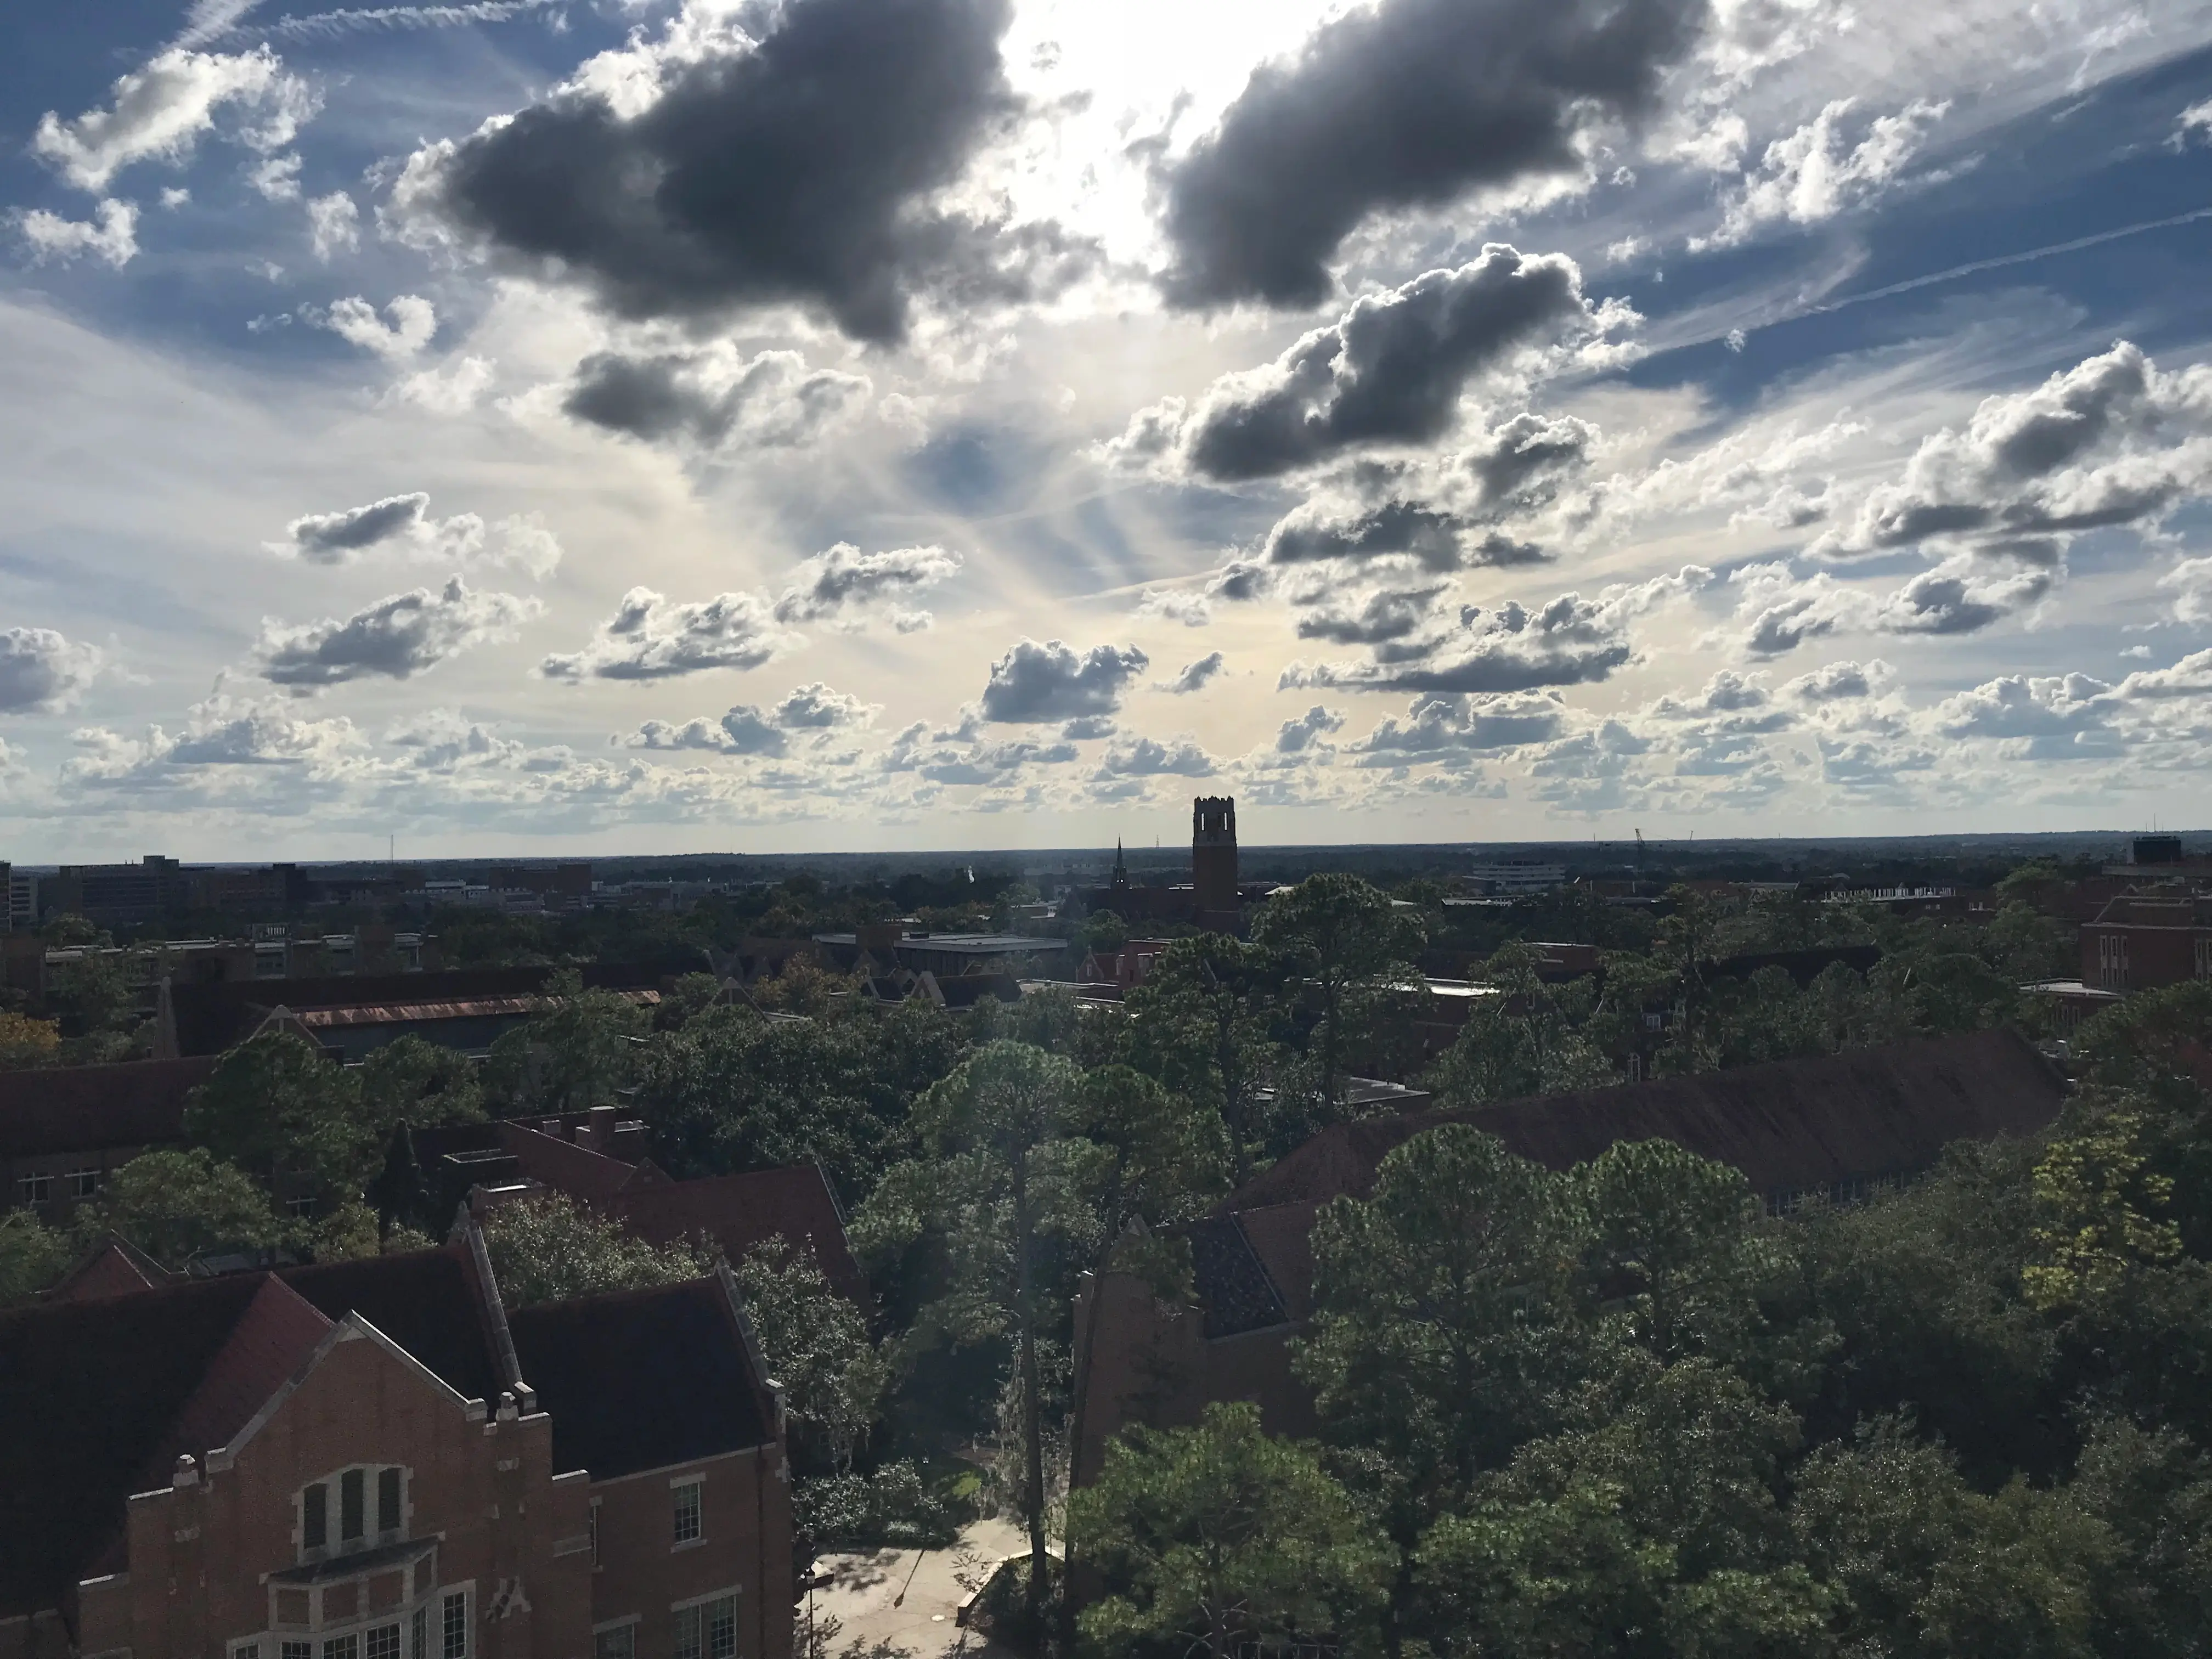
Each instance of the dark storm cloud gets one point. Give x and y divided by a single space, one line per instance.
1411 104
331 538
1390 370
801 170
772 402
1034 683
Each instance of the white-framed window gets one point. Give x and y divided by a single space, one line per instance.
687 1501
418 1634
616 1641
383 1642
301 1207
342 1647
83 1184
36 1188
246 1650
595 1534
708 1630
295 1651
351 1508
453 1625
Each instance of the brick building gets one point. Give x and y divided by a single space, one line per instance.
373 1460
1839 1126
2140 941
64 1129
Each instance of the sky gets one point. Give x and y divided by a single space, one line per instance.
642 426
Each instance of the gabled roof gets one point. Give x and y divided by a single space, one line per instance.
426 1301
643 1379
87 1392
276 1335
114 1267
739 1212
68 1109
1793 1127
579 1171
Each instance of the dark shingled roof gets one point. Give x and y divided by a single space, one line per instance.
1233 1285
641 1379
88 1391
67 1108
425 1300
1796 1126
741 1210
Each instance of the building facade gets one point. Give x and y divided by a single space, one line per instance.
352 1461
2142 941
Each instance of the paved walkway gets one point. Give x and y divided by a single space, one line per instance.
922 1584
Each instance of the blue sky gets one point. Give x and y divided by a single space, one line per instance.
850 423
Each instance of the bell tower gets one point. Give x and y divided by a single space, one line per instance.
1213 862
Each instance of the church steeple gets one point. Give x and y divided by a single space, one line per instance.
1120 866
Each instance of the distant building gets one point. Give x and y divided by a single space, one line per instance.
19 914
1214 898
947 955
118 895
2140 941
64 1129
1839 1126
380 1460
1511 877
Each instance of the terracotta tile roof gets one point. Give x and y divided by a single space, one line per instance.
577 1170
351 1014
641 1379
67 1108
115 1266
1792 1127
739 1212
272 1340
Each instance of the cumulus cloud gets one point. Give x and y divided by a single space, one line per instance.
1195 676
333 224
406 326
1816 173
1409 104
748 729
842 585
40 671
1780 609
1147 758
2112 440
1034 684
1177 606
110 235
221 732
1389 371
2189 582
160 111
1438 726
404 524
713 398
816 707
1843 681
1570 641
651 637
1378 617
395 638
2192 124
811 166
1309 732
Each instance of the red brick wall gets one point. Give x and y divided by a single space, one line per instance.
745 1541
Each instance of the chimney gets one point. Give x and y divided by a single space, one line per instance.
598 1130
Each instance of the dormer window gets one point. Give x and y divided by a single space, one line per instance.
353 1509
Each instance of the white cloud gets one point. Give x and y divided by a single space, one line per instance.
1814 173
413 322
396 638
650 637
451 390
40 671
111 234
2189 582
1175 604
160 111
1195 676
276 177
402 523
333 224
842 585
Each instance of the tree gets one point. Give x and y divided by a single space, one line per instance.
420 1083
1199 1024
26 1042
818 1347
551 1248
2100 1214
1000 1177
1524 1040
276 1106
1211 1536
574 1055
32 1256
176 1205
1341 934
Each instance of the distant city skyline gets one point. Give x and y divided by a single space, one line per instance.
1426 421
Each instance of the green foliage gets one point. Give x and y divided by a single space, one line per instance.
26 1042
275 1106
888 1507
1200 1025
551 1248
176 1205
1103 930
573 1055
1218 1534
733 1091
816 1342
32 1256
1341 935
1530 1038
420 1083
2100 1220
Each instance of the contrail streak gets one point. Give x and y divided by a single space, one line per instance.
330 25
2001 261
